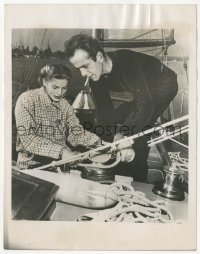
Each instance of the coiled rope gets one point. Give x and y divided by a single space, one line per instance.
132 206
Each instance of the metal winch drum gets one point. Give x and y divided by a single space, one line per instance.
171 187
99 167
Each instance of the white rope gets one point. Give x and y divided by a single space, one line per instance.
174 140
132 206
168 133
180 162
168 137
85 155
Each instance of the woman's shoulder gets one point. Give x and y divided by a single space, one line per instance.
29 96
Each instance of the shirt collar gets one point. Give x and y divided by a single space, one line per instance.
46 99
114 62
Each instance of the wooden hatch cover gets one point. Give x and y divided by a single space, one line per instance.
32 198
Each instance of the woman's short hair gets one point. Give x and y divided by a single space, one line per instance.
84 42
57 71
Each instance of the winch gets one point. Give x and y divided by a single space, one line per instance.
171 187
99 167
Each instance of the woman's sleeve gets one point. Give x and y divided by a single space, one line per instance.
28 131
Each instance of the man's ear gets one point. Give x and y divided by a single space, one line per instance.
99 57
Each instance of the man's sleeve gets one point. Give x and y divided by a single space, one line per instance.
139 119
27 131
104 112
140 116
104 106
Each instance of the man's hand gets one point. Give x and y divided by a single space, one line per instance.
125 150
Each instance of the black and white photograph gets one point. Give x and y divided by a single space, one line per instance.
100 130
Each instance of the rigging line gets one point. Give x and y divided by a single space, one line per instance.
168 133
174 140
28 38
37 54
84 155
168 137
25 65
36 57
160 52
144 34
34 38
171 107
182 101
150 50
165 51
185 66
183 92
171 110
151 40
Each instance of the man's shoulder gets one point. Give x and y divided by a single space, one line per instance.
124 56
121 52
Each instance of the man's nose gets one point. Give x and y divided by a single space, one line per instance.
83 72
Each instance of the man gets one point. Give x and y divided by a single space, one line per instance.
152 84
47 128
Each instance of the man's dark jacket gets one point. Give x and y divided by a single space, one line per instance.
152 84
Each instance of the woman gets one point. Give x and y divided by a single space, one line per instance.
47 128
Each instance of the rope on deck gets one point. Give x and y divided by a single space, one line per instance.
132 206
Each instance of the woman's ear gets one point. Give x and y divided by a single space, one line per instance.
44 82
99 57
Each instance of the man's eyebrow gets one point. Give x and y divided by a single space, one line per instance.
55 85
81 66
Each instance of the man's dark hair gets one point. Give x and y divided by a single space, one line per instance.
84 42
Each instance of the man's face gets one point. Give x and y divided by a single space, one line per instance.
87 66
56 88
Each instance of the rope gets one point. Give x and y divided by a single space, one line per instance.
185 67
138 36
85 155
180 162
132 206
28 77
25 64
177 133
152 49
181 144
167 133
